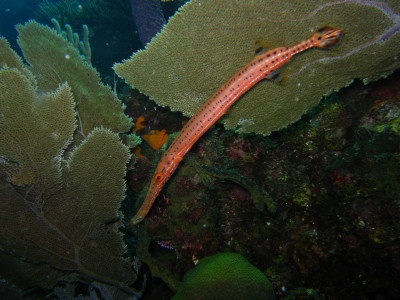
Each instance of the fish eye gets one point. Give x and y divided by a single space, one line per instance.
158 177
137 220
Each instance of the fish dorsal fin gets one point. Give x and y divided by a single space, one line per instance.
260 47
259 51
263 47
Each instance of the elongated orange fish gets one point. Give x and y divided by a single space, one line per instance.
262 66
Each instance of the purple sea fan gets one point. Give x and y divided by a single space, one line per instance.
148 17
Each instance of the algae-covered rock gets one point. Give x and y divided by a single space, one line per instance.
225 276
54 60
205 43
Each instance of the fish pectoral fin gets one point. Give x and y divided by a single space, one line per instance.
274 76
277 77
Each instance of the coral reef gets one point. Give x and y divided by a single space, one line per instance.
218 37
54 60
73 38
63 229
225 276
10 58
50 116
333 177
60 196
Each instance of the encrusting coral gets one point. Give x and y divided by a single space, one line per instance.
60 209
204 44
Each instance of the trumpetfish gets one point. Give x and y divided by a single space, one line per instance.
264 65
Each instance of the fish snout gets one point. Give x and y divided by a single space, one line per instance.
327 36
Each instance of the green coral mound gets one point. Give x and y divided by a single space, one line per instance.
54 60
207 42
225 276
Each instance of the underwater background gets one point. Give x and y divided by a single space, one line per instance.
295 194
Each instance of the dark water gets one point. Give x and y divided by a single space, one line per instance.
113 33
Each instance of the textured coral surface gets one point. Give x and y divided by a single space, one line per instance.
60 198
208 41
54 60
